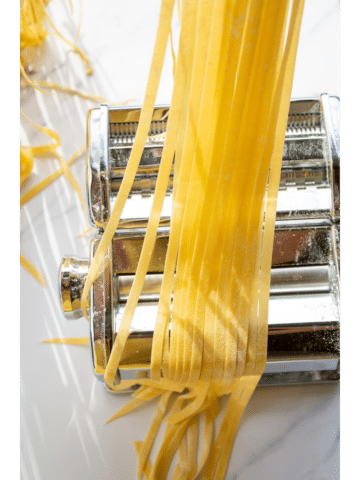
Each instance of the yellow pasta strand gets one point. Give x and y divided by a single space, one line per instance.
69 340
85 232
26 163
163 314
30 82
135 403
46 148
76 49
71 91
147 468
50 178
145 447
32 29
32 270
72 180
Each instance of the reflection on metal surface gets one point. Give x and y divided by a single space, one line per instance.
98 186
284 281
101 313
72 276
293 246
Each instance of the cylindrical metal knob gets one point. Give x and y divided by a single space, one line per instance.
72 277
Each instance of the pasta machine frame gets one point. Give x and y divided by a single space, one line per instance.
303 335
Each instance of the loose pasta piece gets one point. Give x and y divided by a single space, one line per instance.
69 340
32 270
26 163
29 194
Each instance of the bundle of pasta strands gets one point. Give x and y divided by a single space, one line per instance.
226 125
33 31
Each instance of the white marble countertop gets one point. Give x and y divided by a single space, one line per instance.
287 433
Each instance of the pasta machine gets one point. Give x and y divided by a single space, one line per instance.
303 335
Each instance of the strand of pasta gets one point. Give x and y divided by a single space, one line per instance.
187 452
26 164
181 468
200 166
193 445
229 142
76 49
241 18
266 119
71 91
181 176
190 217
46 148
72 180
32 270
202 31
147 444
210 415
139 142
213 76
79 23
30 82
69 340
284 96
172 438
25 197
30 16
253 147
147 468
281 117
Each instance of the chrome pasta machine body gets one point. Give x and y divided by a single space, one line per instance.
303 335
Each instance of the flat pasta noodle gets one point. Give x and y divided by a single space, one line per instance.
146 446
29 194
69 340
46 148
72 180
71 91
26 164
32 270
